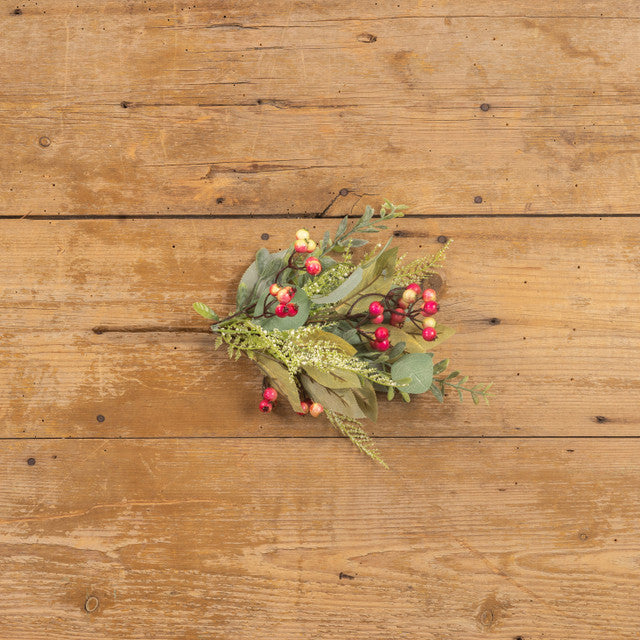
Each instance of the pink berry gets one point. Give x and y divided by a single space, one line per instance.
375 309
304 409
409 296
270 394
428 322
316 409
381 333
292 309
381 345
397 317
311 246
300 246
428 295
429 308
429 334
313 266
265 406
403 304
273 289
281 311
283 296
378 319
414 286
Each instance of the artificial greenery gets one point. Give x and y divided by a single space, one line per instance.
330 333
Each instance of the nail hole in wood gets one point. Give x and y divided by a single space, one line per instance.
442 239
265 236
485 107
478 199
91 604
31 461
344 192
44 141
100 418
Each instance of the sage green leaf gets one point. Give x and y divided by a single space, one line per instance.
418 367
289 322
243 295
205 311
279 376
334 379
439 367
339 401
342 290
437 392
377 277
263 258
367 400
342 227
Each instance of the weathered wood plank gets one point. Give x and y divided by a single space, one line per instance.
119 108
548 311
226 539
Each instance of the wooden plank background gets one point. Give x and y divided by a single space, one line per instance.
148 148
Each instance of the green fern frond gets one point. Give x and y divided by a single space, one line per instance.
353 430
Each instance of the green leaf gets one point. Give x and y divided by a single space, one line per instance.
342 290
377 277
243 295
339 401
263 258
367 400
342 227
437 392
279 376
205 311
289 322
418 367
334 379
390 393
440 367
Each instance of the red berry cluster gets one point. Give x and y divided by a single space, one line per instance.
402 304
312 408
304 244
284 296
270 395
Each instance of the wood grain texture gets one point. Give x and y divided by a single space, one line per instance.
270 108
224 539
551 316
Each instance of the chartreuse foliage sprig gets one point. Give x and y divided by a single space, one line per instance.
330 333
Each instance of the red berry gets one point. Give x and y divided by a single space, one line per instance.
313 266
270 394
265 406
397 317
300 246
429 308
304 409
428 294
283 296
378 319
273 289
316 409
281 311
292 309
381 333
429 334
375 309
414 286
402 303
311 246
381 345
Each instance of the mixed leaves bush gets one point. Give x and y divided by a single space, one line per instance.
331 333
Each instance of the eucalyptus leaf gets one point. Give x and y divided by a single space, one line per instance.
418 367
437 392
439 367
341 291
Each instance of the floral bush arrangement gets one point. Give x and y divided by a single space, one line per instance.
330 333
